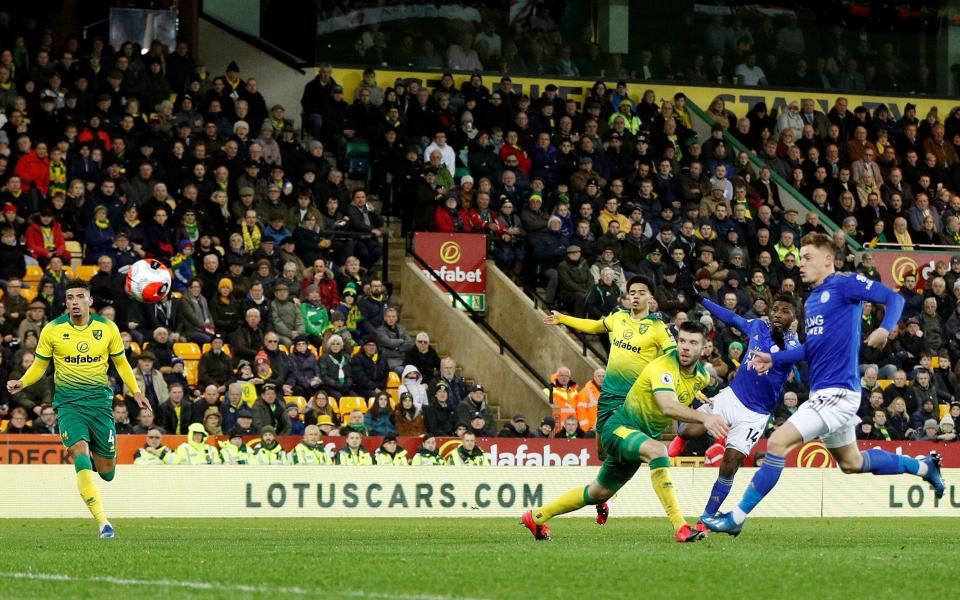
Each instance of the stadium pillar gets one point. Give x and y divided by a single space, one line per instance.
948 49
614 23
187 27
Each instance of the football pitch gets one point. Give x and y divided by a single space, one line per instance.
433 559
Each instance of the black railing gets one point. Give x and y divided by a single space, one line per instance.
539 302
479 319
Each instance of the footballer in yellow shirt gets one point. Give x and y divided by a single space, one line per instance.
636 338
662 393
81 345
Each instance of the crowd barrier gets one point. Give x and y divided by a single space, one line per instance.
504 452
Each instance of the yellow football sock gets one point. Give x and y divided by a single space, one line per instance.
90 493
569 501
663 486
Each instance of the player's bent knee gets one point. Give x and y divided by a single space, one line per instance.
107 475
652 449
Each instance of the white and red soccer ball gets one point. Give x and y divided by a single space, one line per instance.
148 281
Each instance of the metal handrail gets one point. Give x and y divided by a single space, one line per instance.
480 320
898 246
775 177
534 295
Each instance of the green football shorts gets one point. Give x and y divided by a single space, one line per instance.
91 424
621 444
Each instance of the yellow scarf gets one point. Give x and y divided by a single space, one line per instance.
251 238
904 239
48 242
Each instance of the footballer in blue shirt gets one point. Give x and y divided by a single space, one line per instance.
833 313
747 403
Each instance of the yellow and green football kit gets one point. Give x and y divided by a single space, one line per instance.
82 395
641 418
633 344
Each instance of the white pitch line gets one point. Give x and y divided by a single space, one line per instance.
227 587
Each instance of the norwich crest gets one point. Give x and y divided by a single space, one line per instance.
97 334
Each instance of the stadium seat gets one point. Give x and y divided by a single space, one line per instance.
135 347
299 401
191 368
86 272
883 383
33 274
358 159
944 409
284 349
349 404
934 362
355 350
226 349
186 350
393 380
30 291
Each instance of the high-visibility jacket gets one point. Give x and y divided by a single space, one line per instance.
587 401
304 454
424 457
460 457
362 457
164 456
190 453
399 459
232 455
564 399
262 455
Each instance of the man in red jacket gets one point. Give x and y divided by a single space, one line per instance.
45 239
33 168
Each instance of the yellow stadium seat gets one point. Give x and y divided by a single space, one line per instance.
284 349
226 349
394 397
191 368
883 383
944 409
73 247
355 350
187 350
299 401
393 380
34 273
86 272
349 404
934 362
136 347
317 352
30 292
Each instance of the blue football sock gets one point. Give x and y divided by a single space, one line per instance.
720 490
760 486
881 462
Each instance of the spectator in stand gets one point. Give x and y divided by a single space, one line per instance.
546 428
587 400
379 420
440 416
424 358
368 369
476 403
456 386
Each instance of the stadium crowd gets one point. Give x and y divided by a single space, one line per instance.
130 155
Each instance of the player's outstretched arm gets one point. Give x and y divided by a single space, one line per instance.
764 361
726 316
667 401
33 375
861 289
126 374
584 325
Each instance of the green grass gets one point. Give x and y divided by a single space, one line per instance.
423 559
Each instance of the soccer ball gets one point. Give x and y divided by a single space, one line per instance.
148 281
